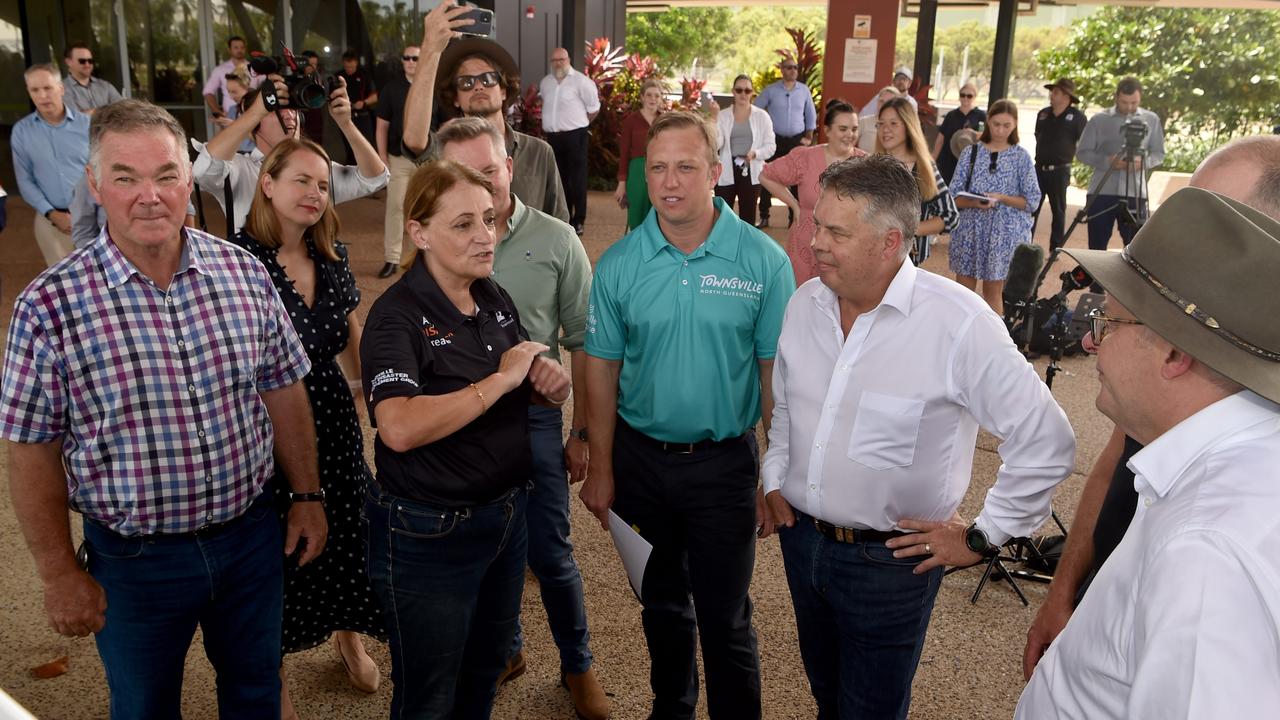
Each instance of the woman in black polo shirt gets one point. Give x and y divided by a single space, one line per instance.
448 376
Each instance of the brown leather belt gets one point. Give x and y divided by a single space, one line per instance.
854 535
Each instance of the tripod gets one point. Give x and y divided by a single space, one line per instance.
1135 180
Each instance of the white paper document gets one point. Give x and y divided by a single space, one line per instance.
975 196
633 549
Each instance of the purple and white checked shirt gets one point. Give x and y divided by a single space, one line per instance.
155 395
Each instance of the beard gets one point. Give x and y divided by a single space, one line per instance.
560 73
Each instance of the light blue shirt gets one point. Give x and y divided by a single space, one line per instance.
792 111
690 329
49 159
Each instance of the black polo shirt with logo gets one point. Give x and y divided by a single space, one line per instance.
416 342
1057 135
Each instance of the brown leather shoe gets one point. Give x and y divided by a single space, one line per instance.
515 668
589 699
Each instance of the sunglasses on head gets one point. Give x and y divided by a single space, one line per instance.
409 58
85 61
486 79
966 95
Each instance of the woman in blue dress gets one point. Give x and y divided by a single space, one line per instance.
989 229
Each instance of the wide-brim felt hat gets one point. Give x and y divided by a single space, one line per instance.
1066 85
1201 273
459 48
963 138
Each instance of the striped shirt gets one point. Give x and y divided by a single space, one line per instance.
154 395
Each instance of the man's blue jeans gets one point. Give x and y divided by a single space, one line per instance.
1104 215
550 552
229 581
862 616
449 581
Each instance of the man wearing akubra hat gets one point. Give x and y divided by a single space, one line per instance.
1184 618
476 76
1058 130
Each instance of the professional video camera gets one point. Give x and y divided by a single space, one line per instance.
1046 326
306 92
1134 132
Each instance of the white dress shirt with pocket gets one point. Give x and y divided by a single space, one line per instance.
881 426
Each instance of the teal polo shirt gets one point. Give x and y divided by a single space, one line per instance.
689 329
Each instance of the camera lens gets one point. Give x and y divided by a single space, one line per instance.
309 95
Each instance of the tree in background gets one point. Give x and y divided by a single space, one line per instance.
681 36
1210 74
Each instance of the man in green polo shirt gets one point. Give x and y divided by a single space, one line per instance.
681 334
542 264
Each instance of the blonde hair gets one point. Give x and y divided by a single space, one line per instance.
915 145
428 184
262 223
681 119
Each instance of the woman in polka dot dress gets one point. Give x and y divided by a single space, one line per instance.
292 229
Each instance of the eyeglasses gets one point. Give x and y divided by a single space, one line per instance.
85 61
486 79
743 91
1098 324
967 95
409 58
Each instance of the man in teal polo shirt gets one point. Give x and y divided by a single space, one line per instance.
540 261
681 334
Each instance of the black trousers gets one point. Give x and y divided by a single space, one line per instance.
743 191
1053 184
785 145
570 148
698 510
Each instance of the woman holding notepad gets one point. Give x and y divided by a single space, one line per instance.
996 190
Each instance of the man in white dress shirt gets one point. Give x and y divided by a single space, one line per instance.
1183 620
570 101
883 375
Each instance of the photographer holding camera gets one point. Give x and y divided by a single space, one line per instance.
1127 141
231 176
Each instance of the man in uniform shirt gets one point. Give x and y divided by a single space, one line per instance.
1058 129
542 264
1102 147
83 91
883 376
399 163
673 447
148 381
790 106
478 77
50 149
570 101
1181 620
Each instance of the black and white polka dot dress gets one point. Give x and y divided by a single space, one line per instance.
332 592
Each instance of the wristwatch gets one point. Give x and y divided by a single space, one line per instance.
977 541
317 496
579 433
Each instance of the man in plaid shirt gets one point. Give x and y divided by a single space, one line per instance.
142 381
